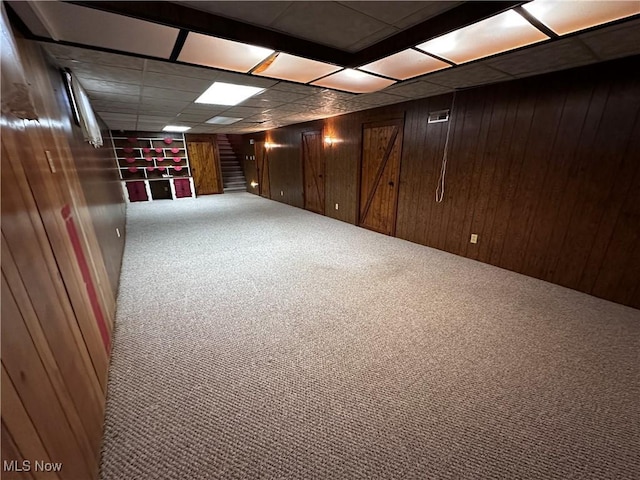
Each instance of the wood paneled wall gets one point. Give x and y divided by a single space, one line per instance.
544 170
61 256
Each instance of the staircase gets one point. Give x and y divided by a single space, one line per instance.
232 174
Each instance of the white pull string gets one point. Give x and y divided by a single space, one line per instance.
445 157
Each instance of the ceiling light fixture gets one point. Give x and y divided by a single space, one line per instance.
354 81
568 17
406 64
500 33
220 93
175 128
218 120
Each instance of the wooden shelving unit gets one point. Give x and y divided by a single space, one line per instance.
153 166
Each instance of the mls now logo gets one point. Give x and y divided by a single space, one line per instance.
27 466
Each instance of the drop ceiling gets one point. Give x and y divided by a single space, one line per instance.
143 64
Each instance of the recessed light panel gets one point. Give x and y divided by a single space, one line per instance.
88 26
566 17
295 69
354 81
406 64
175 128
223 120
502 32
227 94
219 53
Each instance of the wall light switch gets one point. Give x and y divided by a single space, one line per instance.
281 193
474 238
118 232
337 206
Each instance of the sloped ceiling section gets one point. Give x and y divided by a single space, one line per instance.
143 65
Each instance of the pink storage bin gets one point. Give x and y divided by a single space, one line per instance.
146 149
129 159
159 150
168 140
150 168
178 168
177 159
175 150
133 169
127 150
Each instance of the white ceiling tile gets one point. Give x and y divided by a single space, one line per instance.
69 55
467 76
91 84
296 88
162 80
615 41
430 9
417 89
220 53
341 27
179 69
107 73
169 94
564 53
257 13
372 38
73 23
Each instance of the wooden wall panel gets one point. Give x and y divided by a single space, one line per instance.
60 266
543 169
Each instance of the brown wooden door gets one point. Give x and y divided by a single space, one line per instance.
380 175
262 167
204 168
313 168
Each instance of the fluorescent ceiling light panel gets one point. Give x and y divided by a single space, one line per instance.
223 120
227 94
406 64
219 53
500 33
295 69
566 17
354 81
88 26
175 128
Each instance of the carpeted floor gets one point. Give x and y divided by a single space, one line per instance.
259 341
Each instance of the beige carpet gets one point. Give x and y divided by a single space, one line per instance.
259 341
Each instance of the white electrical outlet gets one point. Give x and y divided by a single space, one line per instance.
118 232
474 238
337 206
281 193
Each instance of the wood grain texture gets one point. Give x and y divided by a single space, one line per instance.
314 171
204 168
543 169
262 169
204 161
379 177
54 305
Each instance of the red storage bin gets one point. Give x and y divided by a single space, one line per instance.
137 192
183 187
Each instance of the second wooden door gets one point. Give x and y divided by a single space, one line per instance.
204 168
262 168
380 175
313 168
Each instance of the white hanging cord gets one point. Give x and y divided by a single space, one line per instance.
445 157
